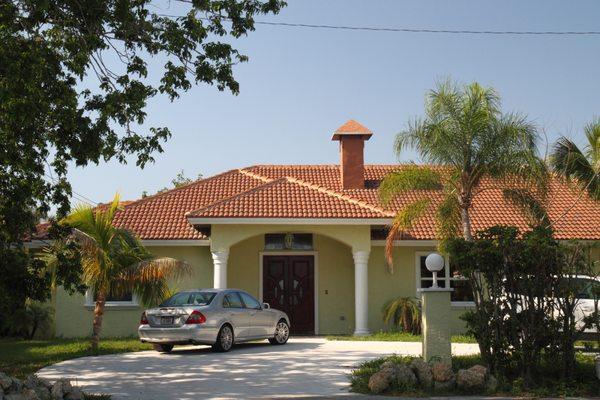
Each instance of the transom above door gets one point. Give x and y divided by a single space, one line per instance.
289 286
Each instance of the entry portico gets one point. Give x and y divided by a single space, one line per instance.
357 239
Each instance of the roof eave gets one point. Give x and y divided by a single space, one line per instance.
287 221
338 135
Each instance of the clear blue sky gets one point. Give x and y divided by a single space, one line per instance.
300 84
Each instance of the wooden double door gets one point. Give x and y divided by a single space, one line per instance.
289 286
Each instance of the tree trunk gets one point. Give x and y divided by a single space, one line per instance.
465 220
98 313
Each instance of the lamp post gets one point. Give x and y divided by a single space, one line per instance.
435 314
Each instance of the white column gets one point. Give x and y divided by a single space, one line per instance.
220 268
361 292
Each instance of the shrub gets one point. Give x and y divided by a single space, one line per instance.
403 312
525 295
26 322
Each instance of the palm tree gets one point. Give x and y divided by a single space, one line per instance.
114 262
464 137
404 312
582 167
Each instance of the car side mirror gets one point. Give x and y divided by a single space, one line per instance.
266 306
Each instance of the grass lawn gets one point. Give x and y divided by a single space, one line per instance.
584 384
398 337
20 358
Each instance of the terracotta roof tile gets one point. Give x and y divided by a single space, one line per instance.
162 216
314 191
290 198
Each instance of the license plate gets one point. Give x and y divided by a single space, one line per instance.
166 320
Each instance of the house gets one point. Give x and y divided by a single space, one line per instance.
307 239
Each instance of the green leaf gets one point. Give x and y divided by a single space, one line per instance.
403 221
408 178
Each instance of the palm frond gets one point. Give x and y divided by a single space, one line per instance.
148 278
529 205
48 256
82 218
592 133
569 161
508 152
408 179
447 218
403 312
403 221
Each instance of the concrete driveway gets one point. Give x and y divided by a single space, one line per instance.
303 367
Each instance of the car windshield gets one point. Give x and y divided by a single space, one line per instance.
189 298
582 288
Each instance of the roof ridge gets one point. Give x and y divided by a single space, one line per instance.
176 189
255 176
272 182
293 166
238 195
402 164
339 196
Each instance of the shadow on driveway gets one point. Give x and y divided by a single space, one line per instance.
303 367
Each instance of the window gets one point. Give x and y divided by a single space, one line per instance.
232 300
128 297
288 241
112 300
448 277
189 298
250 301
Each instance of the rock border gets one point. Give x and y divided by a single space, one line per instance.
435 376
36 388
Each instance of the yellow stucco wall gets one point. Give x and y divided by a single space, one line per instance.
243 265
358 237
73 319
385 286
334 281
334 286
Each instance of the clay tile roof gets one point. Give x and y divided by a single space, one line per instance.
352 127
162 216
314 191
290 198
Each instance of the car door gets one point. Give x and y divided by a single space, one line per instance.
234 309
260 320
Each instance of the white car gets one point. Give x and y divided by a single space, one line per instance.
585 287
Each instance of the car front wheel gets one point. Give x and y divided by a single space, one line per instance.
224 339
163 348
282 333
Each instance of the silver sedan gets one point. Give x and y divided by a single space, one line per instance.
217 317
